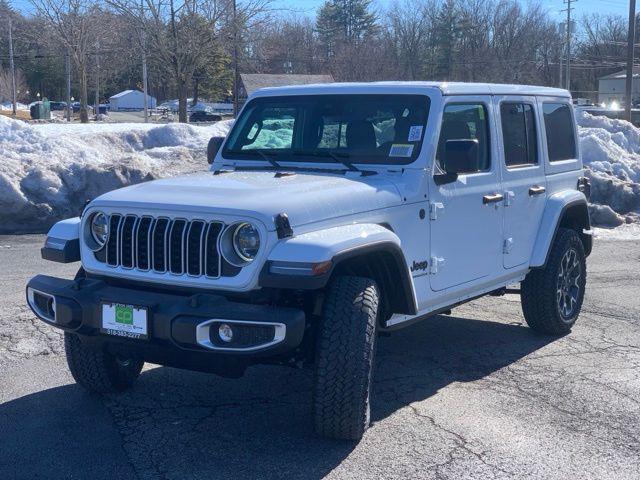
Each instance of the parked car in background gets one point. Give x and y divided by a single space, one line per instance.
204 116
57 106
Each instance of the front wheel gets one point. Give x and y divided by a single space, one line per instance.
344 358
99 371
552 296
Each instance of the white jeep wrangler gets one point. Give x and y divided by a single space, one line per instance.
330 213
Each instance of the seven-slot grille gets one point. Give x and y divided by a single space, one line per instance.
178 246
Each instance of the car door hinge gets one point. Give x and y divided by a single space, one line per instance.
436 264
508 197
433 209
507 245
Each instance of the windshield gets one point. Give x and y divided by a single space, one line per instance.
331 128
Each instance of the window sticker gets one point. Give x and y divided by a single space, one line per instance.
415 133
400 150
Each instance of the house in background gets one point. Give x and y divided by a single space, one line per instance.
250 82
611 88
130 100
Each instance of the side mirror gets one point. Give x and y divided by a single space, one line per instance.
460 156
212 148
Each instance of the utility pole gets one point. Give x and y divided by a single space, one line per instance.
561 65
69 106
567 76
235 61
630 54
143 41
13 72
97 107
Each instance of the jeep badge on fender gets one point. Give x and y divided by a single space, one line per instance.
301 243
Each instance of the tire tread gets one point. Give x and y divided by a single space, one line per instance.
538 293
346 349
98 371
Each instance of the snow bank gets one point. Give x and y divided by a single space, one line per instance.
611 155
49 171
623 233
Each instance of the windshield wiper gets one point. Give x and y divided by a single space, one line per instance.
268 158
339 157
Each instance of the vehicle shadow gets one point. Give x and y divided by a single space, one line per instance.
179 424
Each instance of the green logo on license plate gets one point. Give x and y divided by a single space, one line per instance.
124 315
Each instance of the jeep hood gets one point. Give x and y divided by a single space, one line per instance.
304 197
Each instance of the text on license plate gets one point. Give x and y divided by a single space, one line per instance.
124 320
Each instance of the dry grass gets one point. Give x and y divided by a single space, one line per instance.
20 114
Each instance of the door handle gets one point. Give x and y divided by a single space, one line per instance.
537 190
492 198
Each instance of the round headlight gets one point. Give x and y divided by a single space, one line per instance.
246 241
100 229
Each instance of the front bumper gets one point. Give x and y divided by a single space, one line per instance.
178 324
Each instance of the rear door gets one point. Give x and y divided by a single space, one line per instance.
523 179
466 215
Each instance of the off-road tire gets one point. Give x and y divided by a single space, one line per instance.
344 358
540 295
99 371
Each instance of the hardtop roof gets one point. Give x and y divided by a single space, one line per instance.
446 88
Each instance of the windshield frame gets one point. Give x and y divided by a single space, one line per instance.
326 155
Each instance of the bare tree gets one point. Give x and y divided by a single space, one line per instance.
74 24
6 85
181 34
410 30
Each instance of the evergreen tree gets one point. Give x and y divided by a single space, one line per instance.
447 33
345 21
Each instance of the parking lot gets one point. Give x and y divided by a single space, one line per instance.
472 395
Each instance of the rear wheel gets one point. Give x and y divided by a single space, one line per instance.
97 370
344 358
552 296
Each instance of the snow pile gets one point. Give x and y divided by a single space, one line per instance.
9 106
611 155
627 232
47 172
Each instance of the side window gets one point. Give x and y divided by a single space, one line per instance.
519 134
464 121
558 123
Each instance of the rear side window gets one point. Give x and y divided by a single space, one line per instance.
519 134
465 121
558 123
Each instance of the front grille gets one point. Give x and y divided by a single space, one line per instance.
177 246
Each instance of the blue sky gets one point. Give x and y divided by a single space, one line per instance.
309 7
602 7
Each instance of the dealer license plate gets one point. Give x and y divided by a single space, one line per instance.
124 320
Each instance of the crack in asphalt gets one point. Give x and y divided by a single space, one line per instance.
461 444
572 403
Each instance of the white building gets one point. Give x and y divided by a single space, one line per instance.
612 87
130 100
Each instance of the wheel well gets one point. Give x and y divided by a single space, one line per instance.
391 275
576 217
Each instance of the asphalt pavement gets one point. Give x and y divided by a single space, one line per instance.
472 395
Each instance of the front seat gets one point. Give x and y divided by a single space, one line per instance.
360 136
452 130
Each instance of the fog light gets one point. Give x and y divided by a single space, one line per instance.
225 332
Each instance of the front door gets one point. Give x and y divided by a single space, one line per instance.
523 178
466 215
